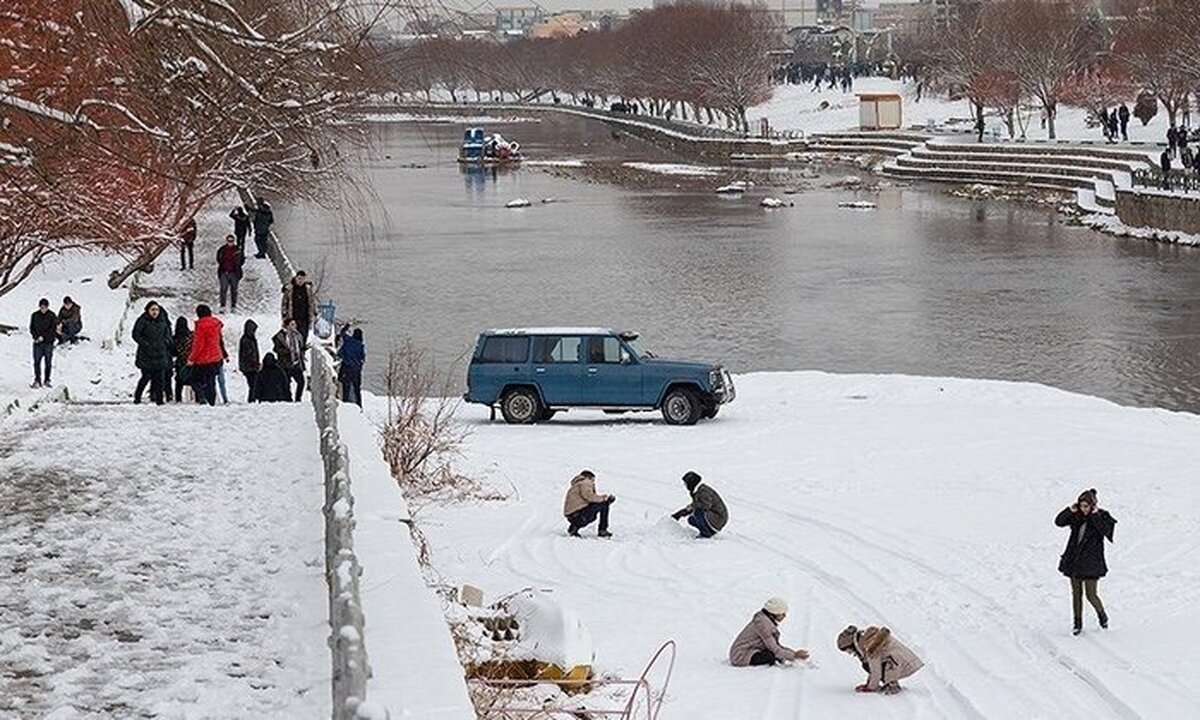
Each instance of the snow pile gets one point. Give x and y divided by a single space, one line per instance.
518 203
674 169
922 504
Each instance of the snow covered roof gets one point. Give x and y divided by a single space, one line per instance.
553 331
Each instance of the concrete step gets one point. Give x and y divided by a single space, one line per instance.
858 149
953 153
999 164
988 177
1023 148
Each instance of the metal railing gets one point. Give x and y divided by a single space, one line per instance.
1182 181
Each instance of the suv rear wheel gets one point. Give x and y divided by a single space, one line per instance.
681 406
521 407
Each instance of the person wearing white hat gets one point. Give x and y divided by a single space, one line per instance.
758 642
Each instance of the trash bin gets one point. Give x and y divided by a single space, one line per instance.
323 327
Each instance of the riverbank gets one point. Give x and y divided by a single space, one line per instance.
924 504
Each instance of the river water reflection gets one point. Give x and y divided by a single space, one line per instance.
925 284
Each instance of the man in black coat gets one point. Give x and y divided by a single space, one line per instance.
43 326
1164 162
1123 117
271 383
263 220
1083 558
241 227
706 512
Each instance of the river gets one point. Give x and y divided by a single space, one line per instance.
924 284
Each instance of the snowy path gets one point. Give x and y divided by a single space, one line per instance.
153 575
923 504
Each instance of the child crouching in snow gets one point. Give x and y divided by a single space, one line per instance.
885 658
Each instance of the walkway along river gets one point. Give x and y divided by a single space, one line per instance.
924 284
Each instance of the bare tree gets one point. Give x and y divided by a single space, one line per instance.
1157 52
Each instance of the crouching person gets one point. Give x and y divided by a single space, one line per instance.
885 658
582 505
706 512
758 642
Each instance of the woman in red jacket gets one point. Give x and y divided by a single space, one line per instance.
206 357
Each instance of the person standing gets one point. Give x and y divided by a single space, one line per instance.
70 317
229 271
1083 558
582 505
300 303
241 227
1164 162
43 326
222 389
187 245
248 359
1123 117
758 643
262 221
204 360
353 354
182 342
153 338
1172 140
706 512
271 383
289 349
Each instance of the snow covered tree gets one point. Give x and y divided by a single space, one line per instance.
1158 53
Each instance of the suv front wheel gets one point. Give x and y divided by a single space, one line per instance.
681 406
521 407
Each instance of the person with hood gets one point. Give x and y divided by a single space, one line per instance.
353 354
205 358
229 271
758 643
289 349
248 359
706 512
153 338
886 660
182 342
43 326
241 227
262 221
300 303
187 245
271 382
582 505
70 317
1083 558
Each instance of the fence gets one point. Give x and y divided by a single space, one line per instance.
1176 180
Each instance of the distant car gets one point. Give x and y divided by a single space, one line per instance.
532 373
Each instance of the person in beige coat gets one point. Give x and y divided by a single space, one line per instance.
583 505
758 642
885 658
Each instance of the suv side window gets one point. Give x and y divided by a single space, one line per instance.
504 349
557 349
603 350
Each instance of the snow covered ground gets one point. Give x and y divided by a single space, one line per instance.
797 108
923 504
159 561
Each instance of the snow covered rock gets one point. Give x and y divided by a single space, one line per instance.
771 203
518 203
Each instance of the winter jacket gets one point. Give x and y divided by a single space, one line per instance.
248 357
307 307
154 345
1164 161
581 494
188 234
229 260
885 658
1084 554
760 634
241 222
352 353
271 385
183 349
706 499
206 342
75 314
43 325
286 351
263 219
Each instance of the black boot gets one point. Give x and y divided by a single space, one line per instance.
573 530
1103 620
1078 626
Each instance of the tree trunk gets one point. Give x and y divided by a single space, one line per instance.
116 277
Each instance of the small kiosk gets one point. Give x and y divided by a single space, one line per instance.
880 111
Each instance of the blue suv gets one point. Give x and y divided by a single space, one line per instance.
533 373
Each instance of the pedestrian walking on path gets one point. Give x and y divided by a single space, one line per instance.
300 303
271 384
152 333
43 327
353 355
229 271
70 317
204 361
241 227
1123 117
248 359
262 221
706 512
758 643
1083 558
187 245
289 349
582 505
886 660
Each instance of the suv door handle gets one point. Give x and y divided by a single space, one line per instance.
539 370
591 371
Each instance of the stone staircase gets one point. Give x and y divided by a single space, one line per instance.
880 143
